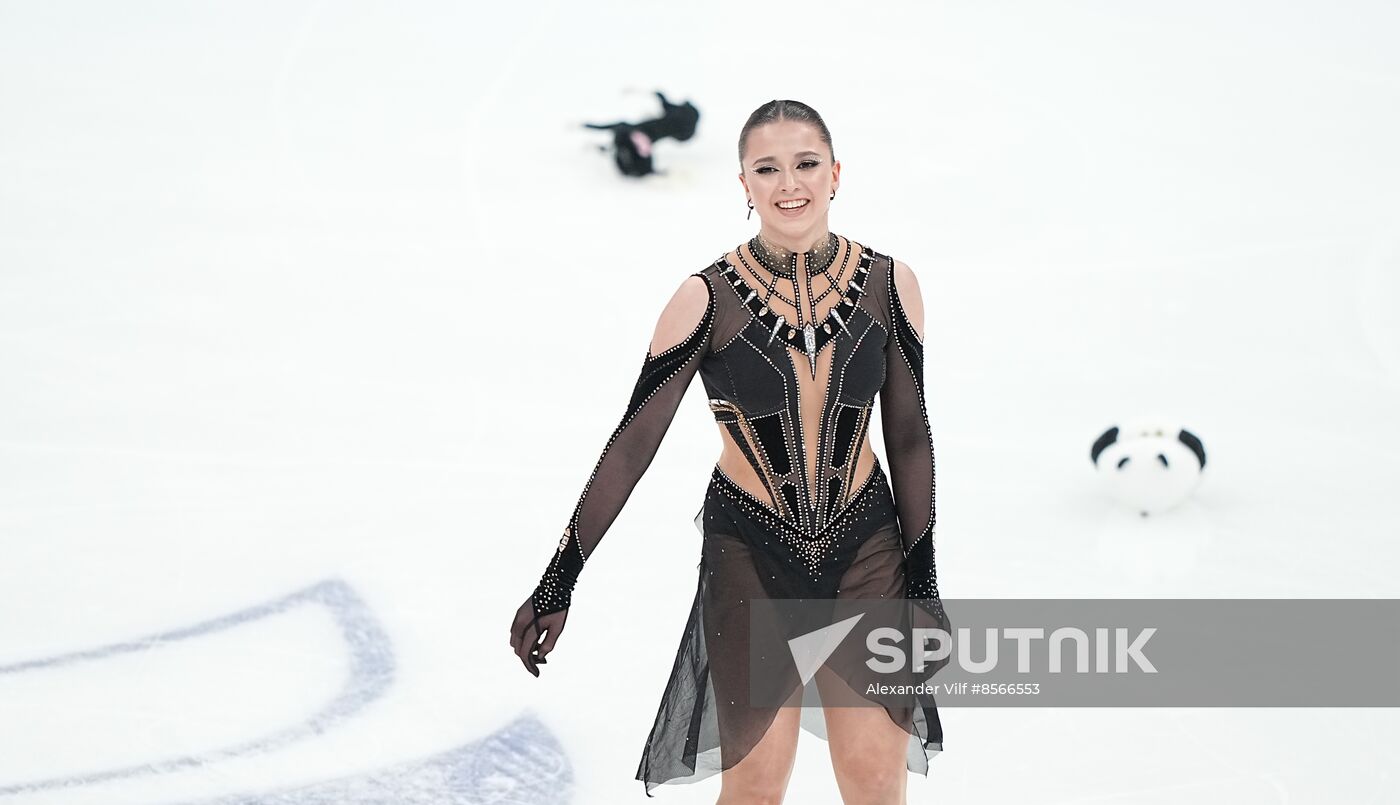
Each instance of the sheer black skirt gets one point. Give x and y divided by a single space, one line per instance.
705 722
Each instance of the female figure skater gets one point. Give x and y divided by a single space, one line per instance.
794 334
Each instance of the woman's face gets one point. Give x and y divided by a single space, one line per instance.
786 161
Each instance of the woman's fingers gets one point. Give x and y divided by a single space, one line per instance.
526 646
532 638
524 635
518 626
553 627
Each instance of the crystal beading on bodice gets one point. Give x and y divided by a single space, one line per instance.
747 378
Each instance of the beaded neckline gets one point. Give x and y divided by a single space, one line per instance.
813 338
782 262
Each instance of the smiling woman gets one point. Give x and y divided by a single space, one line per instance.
792 204
794 334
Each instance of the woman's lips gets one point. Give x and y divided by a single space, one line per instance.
793 213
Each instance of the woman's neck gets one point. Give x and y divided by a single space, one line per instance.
782 261
780 243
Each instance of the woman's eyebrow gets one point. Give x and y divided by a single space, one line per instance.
775 159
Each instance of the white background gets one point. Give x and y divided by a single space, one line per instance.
302 291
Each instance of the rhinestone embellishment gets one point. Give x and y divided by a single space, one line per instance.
813 338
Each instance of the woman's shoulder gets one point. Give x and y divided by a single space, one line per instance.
688 310
908 298
904 278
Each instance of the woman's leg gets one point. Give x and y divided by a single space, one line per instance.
762 776
763 738
867 747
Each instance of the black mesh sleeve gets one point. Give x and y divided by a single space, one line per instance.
909 448
629 451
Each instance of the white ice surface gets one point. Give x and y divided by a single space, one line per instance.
299 294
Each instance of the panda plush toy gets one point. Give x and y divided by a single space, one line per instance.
1149 466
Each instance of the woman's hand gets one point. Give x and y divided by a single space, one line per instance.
930 614
525 633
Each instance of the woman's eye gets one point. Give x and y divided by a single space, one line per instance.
767 168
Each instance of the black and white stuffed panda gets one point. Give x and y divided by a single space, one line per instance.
1149 466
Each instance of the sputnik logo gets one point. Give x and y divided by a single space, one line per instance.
810 650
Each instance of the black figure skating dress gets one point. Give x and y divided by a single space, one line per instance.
799 506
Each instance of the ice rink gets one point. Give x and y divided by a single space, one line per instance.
314 318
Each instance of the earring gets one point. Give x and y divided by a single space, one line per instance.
750 215
833 195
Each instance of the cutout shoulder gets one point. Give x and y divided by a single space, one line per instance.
906 287
682 314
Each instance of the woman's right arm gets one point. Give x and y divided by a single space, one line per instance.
679 342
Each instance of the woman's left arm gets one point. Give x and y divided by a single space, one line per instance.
908 439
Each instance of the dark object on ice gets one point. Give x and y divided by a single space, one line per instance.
632 142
